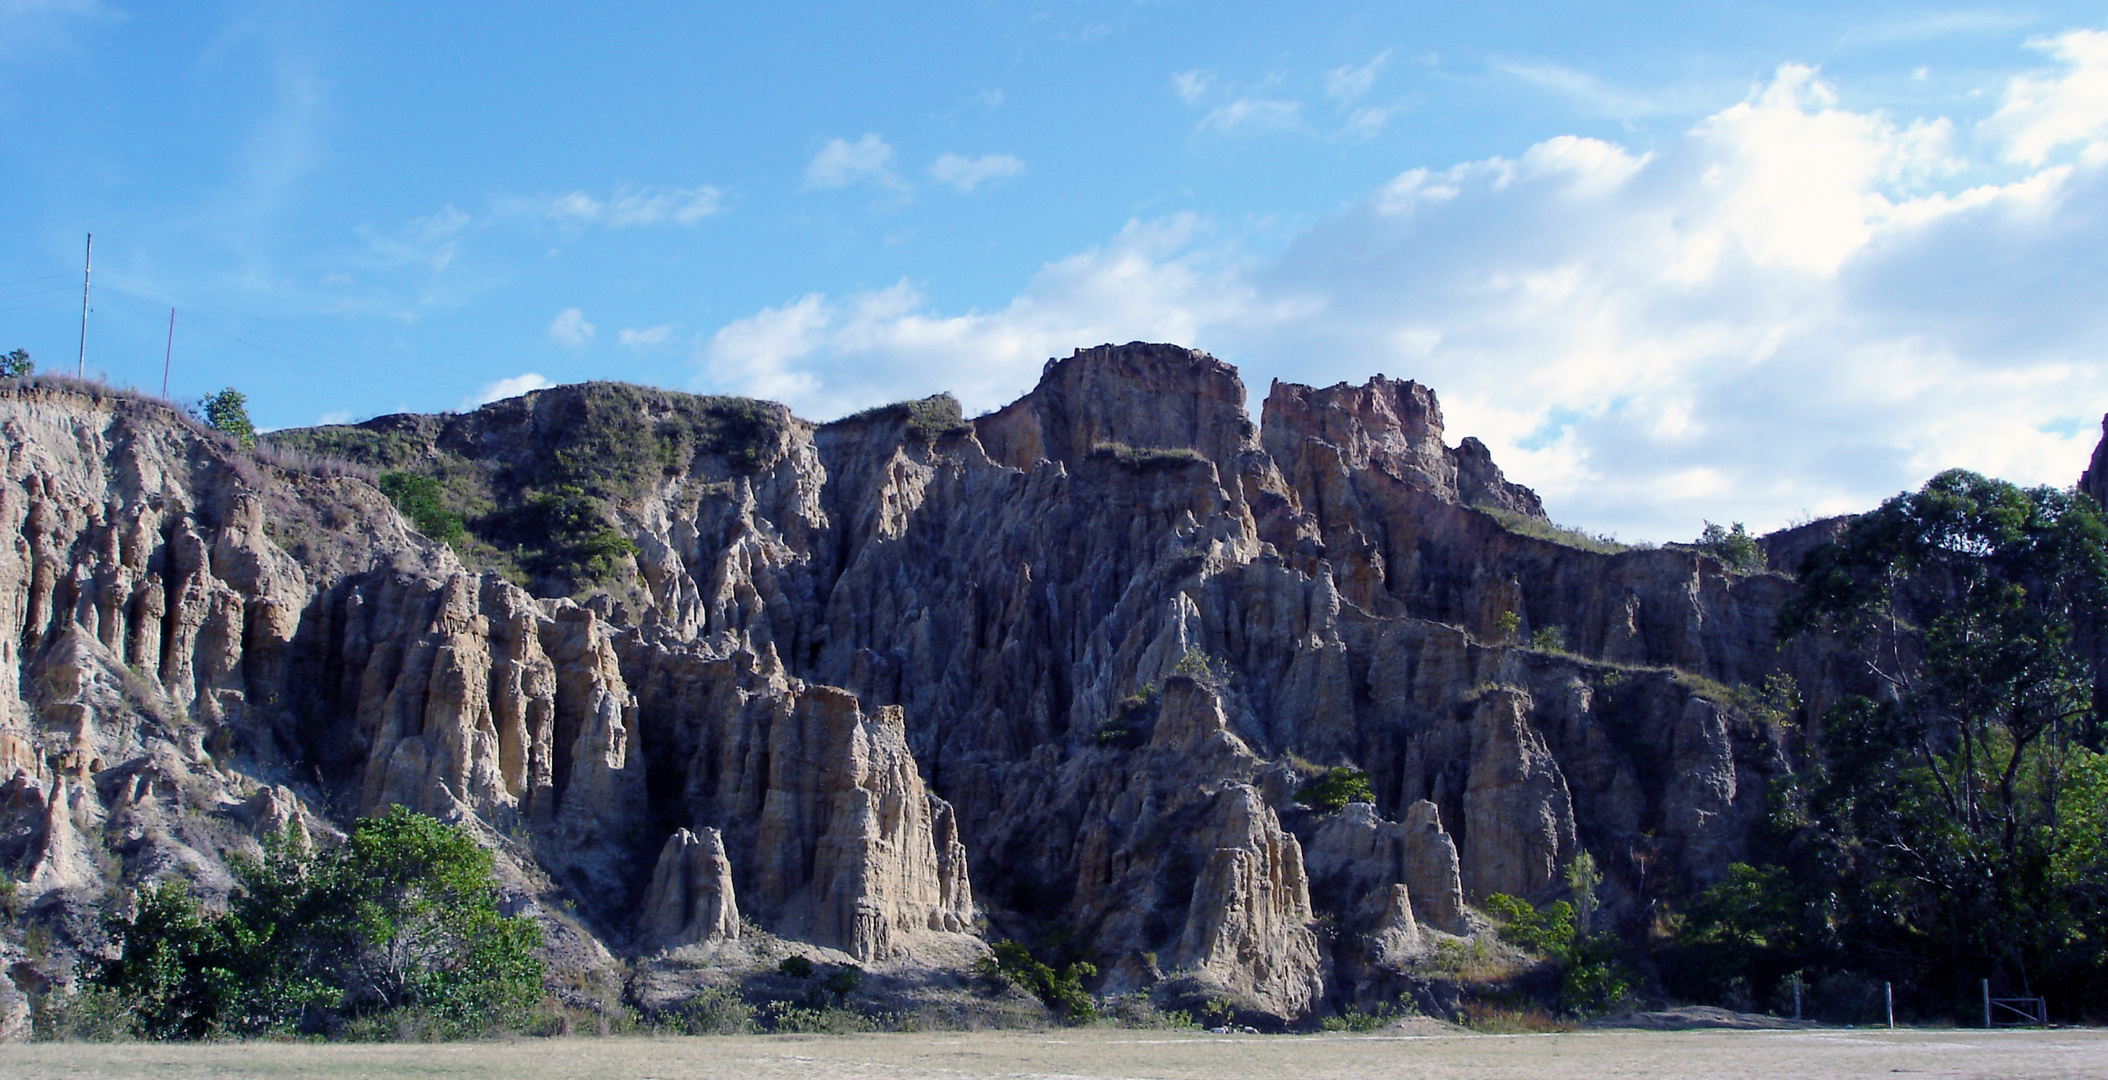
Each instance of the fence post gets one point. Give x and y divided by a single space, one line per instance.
1987 1003
1889 988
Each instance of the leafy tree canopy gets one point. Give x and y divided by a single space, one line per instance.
1947 826
227 412
1335 788
402 915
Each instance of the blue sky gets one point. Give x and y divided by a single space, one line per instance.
1673 262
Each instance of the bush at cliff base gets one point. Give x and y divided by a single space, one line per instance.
401 917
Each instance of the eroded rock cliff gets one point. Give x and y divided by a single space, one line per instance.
891 681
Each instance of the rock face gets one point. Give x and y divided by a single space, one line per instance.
1060 670
2094 481
690 899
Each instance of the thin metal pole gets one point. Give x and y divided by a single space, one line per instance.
87 268
1889 988
168 353
1987 1003
1796 995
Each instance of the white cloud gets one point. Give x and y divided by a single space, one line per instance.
570 328
339 416
1191 86
1253 113
432 241
2044 111
645 206
967 173
649 337
841 163
1367 122
1782 312
1349 84
505 388
1586 90
824 356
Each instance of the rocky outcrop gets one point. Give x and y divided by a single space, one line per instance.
1182 866
1248 922
1057 671
2094 480
1356 857
14 1012
1518 817
690 900
1142 396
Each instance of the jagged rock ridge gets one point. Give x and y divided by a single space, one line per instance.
873 683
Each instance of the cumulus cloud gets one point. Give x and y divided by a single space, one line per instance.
505 388
825 356
649 337
628 207
841 163
1793 309
2047 110
570 329
966 174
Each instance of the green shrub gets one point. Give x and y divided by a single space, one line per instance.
797 967
1505 627
16 365
713 1011
563 533
1548 933
1592 981
1355 1020
1132 720
927 419
1334 790
1209 671
788 1018
1539 529
1012 964
1147 457
418 497
1733 547
1548 639
843 980
401 918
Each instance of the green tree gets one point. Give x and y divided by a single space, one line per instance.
1335 788
227 412
417 922
402 915
1938 810
1062 991
1735 547
1592 980
16 365
568 532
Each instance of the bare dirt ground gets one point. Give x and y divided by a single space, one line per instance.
1686 1055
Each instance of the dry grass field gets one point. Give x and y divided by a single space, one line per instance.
1686 1055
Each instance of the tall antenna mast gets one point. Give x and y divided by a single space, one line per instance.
170 352
87 267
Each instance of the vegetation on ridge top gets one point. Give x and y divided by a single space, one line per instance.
537 482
